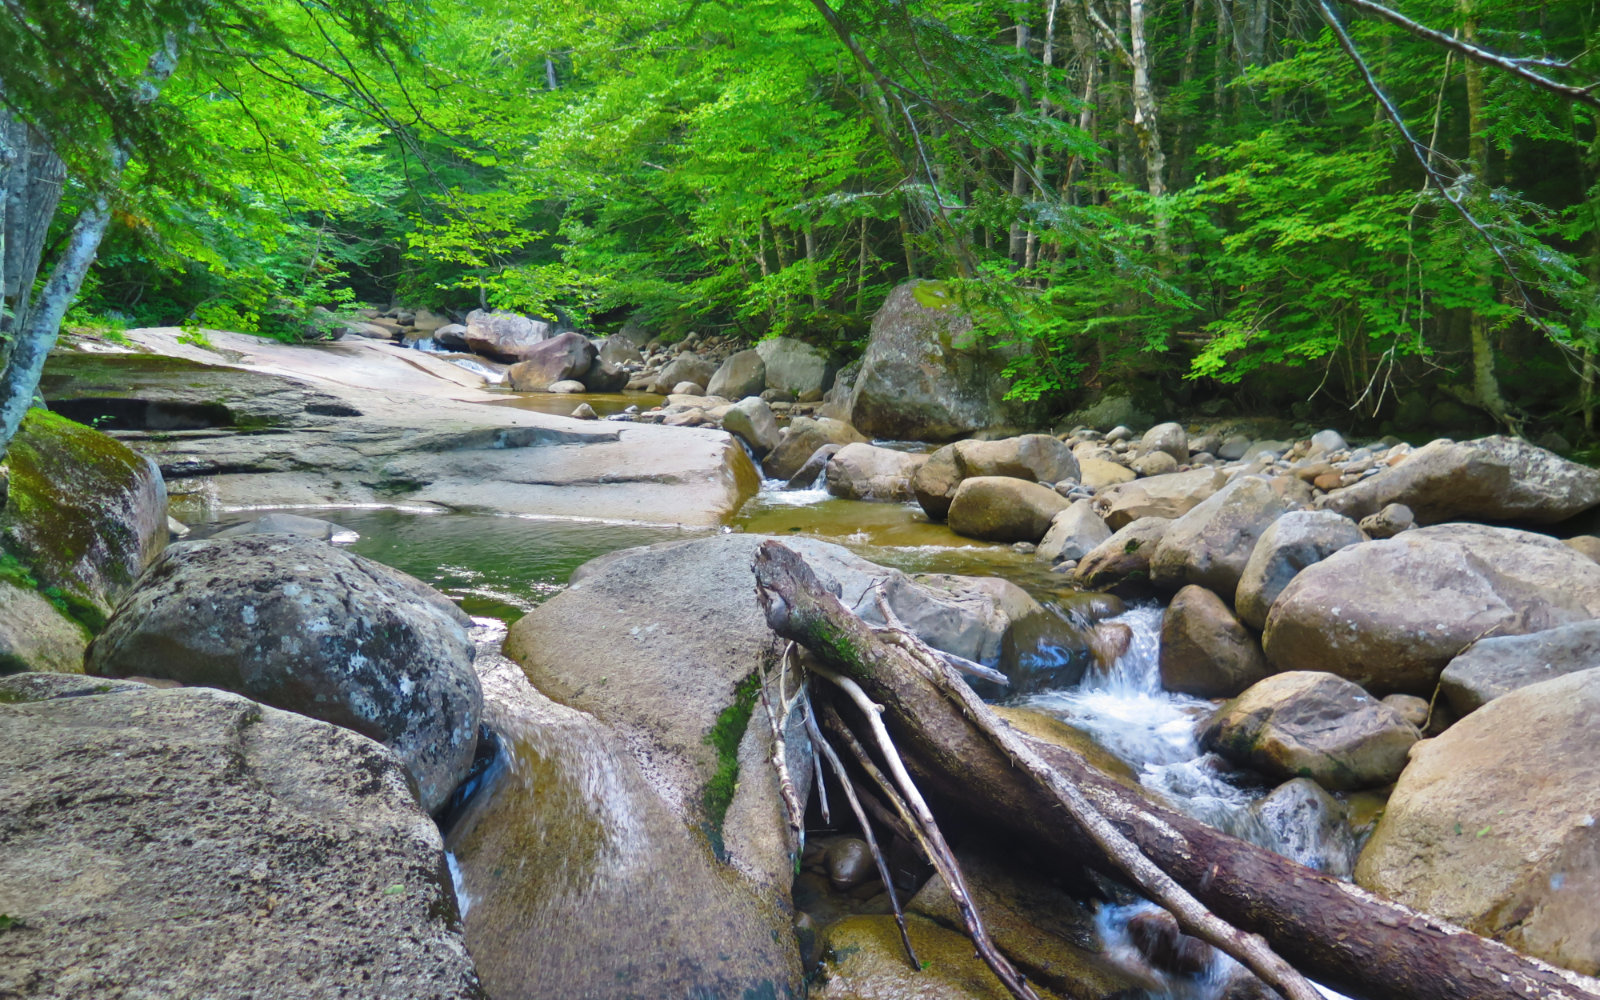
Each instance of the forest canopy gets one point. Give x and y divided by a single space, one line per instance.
1387 212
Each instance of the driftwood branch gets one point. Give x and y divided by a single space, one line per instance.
1350 939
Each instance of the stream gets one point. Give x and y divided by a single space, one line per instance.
499 567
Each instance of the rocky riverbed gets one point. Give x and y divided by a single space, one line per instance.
1375 658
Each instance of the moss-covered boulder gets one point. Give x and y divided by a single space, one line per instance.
35 634
83 515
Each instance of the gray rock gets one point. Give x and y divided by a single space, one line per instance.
1170 438
1108 413
687 389
1157 463
309 628
1411 708
1306 724
585 412
1167 496
603 376
1291 543
619 350
566 387
1210 544
1326 442
1390 614
686 367
928 375
1492 825
795 366
287 524
752 420
1490 479
866 472
1002 509
1073 534
934 484
192 843
1204 650
428 321
850 863
1038 458
1124 558
503 336
740 375
1306 824
1389 522
560 358
1121 432
451 335
1498 665
808 474
805 436
1233 447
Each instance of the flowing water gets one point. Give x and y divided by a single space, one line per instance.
498 567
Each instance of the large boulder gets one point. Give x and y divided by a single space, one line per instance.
751 419
867 472
1490 479
603 376
686 367
1168 439
585 882
1003 509
795 366
83 515
1098 473
1210 544
1073 534
1124 558
1492 825
1169 496
1204 650
927 373
740 375
1306 724
1291 543
934 484
1038 458
504 336
1501 664
1304 823
805 436
618 350
556 359
1390 614
310 628
192 843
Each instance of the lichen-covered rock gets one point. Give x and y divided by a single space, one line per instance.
927 373
1306 824
35 635
1498 665
1204 650
303 626
1390 614
83 513
1493 824
1002 509
866 472
1491 479
192 843
1306 724
805 436
1211 543
1289 544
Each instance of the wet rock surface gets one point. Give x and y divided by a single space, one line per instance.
188 843
1205 651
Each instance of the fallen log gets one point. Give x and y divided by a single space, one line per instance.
1340 935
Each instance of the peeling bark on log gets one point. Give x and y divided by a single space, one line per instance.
1340 935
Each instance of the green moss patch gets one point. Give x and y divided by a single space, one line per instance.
723 737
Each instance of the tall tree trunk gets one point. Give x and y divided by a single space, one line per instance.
1046 110
1017 244
1147 124
1485 385
35 336
31 191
